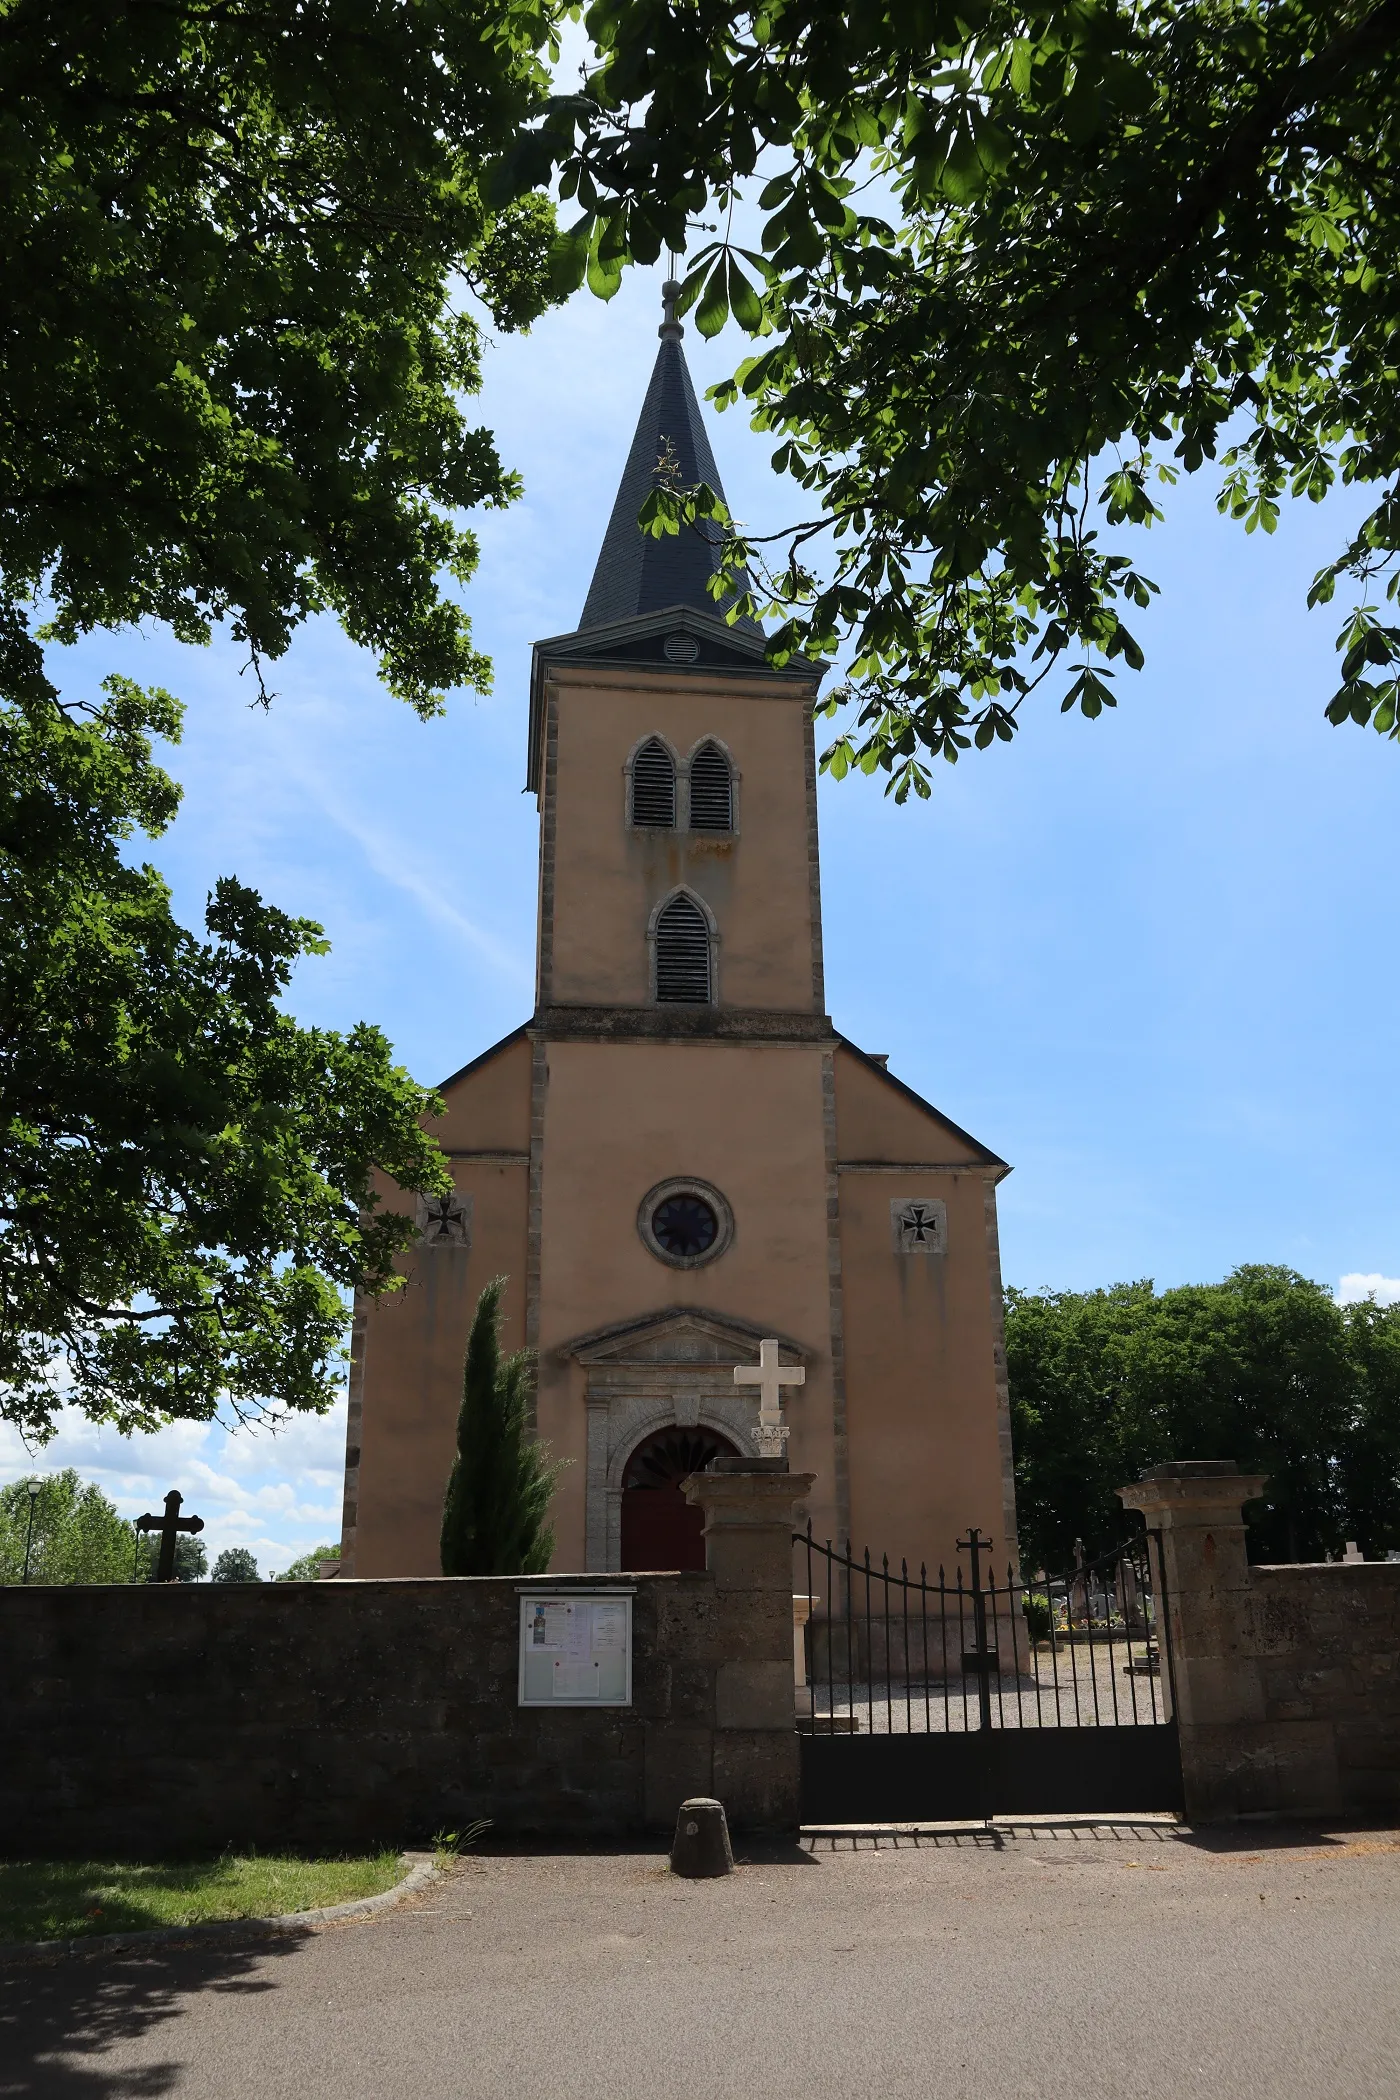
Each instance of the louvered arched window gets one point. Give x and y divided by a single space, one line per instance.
711 791
654 787
683 953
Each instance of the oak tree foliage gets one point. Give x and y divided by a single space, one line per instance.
249 264
1019 267
234 240
185 1172
1264 1368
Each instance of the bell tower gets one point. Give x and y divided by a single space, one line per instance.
674 773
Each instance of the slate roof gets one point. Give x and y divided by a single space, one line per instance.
636 574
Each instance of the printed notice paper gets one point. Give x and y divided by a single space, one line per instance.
576 1650
610 1628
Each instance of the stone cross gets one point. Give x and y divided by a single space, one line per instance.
168 1525
770 1377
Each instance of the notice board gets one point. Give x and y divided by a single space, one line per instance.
575 1650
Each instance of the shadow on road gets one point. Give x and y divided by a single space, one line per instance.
1045 1832
60 2015
1290 1837
992 1837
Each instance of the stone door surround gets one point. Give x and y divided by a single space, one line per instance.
674 1368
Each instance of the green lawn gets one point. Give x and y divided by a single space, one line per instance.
60 1899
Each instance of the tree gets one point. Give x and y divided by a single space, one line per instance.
304 1570
191 1559
499 1490
77 1534
235 1564
185 1173
248 261
1016 268
234 244
1263 1368
1369 1466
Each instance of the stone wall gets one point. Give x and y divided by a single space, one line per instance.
337 1715
1327 1644
170 1719
1286 1680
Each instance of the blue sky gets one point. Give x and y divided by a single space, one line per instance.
1147 959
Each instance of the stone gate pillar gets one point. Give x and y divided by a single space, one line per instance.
1196 1506
748 1505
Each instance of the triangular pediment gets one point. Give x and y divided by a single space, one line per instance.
682 1334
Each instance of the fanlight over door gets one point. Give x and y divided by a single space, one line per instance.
660 1529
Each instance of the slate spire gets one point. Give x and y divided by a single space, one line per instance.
637 574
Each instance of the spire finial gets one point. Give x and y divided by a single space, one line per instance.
670 330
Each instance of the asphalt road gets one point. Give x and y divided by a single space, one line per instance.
1056 1963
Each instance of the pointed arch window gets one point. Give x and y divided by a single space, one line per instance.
654 787
683 971
711 790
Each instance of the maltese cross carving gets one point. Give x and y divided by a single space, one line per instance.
445 1221
919 1225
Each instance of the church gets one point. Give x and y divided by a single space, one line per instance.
678 1155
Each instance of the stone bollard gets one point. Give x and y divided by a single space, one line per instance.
700 1849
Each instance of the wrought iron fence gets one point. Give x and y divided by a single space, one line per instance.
897 1654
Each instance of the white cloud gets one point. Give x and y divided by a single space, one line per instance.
1384 1289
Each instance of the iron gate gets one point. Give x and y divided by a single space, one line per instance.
928 1700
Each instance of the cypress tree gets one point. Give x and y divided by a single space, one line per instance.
499 1489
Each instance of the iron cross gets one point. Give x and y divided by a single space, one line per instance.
168 1525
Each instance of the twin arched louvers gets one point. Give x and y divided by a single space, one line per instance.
683 953
654 789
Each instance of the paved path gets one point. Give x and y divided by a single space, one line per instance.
1047 1964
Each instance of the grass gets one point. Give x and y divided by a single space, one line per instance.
66 1899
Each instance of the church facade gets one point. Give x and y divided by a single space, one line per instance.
678 1155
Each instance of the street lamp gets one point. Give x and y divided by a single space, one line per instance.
34 1487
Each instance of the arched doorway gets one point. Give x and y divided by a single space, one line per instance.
660 1529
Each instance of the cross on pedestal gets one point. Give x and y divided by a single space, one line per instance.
770 1377
168 1525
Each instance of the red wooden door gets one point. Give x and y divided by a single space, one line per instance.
660 1529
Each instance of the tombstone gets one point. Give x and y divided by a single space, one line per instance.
1129 1591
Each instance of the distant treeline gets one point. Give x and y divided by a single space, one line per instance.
1265 1368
